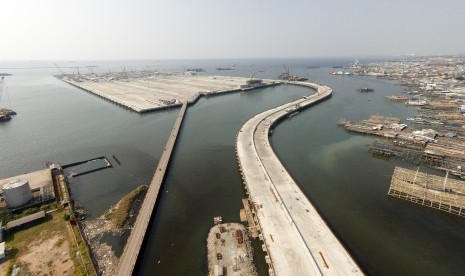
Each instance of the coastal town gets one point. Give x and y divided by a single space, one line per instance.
434 137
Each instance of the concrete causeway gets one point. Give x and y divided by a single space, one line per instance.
297 239
134 243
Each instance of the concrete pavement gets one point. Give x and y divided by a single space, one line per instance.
297 239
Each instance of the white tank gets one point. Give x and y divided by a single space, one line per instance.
17 193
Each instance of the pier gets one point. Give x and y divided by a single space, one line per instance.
133 245
104 164
297 239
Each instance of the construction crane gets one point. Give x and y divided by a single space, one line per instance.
76 69
253 75
1 89
59 69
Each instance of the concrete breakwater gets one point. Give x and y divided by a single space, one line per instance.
296 238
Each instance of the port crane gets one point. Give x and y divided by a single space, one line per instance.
1 88
4 87
76 69
59 69
253 75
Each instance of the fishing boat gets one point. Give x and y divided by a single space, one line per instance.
416 103
366 89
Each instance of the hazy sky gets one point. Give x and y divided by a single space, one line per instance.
102 29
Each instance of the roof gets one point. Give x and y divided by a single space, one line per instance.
23 220
14 184
36 179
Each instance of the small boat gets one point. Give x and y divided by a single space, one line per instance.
195 70
366 89
416 103
410 119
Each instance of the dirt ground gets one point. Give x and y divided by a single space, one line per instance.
50 257
43 249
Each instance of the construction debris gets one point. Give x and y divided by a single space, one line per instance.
229 251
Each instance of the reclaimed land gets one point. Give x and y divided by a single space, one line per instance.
119 215
229 251
142 92
297 239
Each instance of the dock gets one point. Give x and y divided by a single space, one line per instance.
296 238
134 243
87 166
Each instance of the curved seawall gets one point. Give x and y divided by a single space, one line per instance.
297 239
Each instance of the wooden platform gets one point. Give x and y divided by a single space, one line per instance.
375 125
433 191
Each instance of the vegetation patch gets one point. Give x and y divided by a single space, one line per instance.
6 215
119 215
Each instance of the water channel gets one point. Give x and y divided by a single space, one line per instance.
387 236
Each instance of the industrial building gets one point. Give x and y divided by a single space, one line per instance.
17 193
26 189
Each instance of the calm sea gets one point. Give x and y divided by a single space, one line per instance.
62 124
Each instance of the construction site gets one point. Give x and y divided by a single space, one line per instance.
144 91
229 250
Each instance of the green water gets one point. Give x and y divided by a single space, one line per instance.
385 235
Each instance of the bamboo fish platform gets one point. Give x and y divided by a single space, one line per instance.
441 193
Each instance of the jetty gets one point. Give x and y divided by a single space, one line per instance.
296 238
134 243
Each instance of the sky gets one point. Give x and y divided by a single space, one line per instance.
215 29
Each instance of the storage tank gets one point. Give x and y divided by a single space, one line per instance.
17 193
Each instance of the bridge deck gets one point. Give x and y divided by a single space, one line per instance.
133 245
